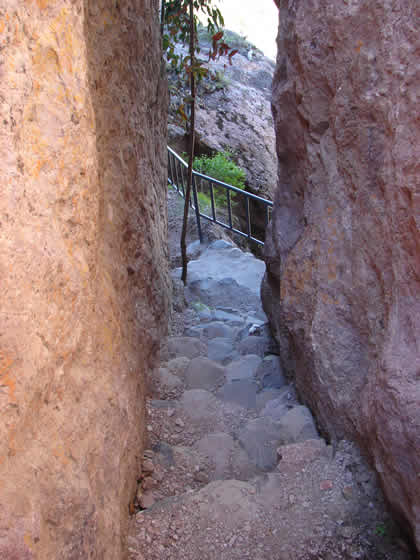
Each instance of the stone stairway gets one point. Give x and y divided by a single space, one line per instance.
235 467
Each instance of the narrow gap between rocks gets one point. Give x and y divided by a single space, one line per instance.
235 467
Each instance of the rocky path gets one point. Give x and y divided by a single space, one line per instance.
235 467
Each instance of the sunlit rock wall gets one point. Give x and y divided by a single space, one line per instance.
342 288
83 273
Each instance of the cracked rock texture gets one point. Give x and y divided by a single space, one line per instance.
235 117
82 232
342 281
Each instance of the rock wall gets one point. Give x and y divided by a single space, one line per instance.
342 255
233 114
84 288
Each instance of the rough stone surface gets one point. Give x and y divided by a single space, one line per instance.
165 383
82 232
260 439
252 345
270 373
236 117
343 271
177 366
221 350
199 405
218 330
318 502
242 392
296 425
275 408
185 346
219 448
244 368
203 373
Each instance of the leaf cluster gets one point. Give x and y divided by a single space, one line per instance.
176 29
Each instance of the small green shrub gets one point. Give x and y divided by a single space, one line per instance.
221 167
204 200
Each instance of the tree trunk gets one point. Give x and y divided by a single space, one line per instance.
191 147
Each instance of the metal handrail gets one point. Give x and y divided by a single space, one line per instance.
177 179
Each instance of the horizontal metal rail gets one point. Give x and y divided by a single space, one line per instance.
234 199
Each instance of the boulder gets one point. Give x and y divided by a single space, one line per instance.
244 368
219 448
221 350
178 366
82 235
203 373
185 346
240 391
270 373
296 425
218 329
260 439
199 406
234 114
342 282
165 384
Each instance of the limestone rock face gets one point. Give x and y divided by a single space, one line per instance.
342 286
84 287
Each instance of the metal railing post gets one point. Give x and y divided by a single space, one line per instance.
248 218
197 209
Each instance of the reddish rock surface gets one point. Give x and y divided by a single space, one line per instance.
342 288
84 286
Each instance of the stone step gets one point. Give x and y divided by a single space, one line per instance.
310 506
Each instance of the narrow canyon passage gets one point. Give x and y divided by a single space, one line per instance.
140 419
235 467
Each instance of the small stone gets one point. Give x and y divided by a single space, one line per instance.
326 485
179 423
292 499
348 492
148 483
346 532
148 466
203 373
147 500
148 453
201 476
158 475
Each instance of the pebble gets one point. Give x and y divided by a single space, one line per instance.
148 466
148 483
201 476
147 500
348 492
